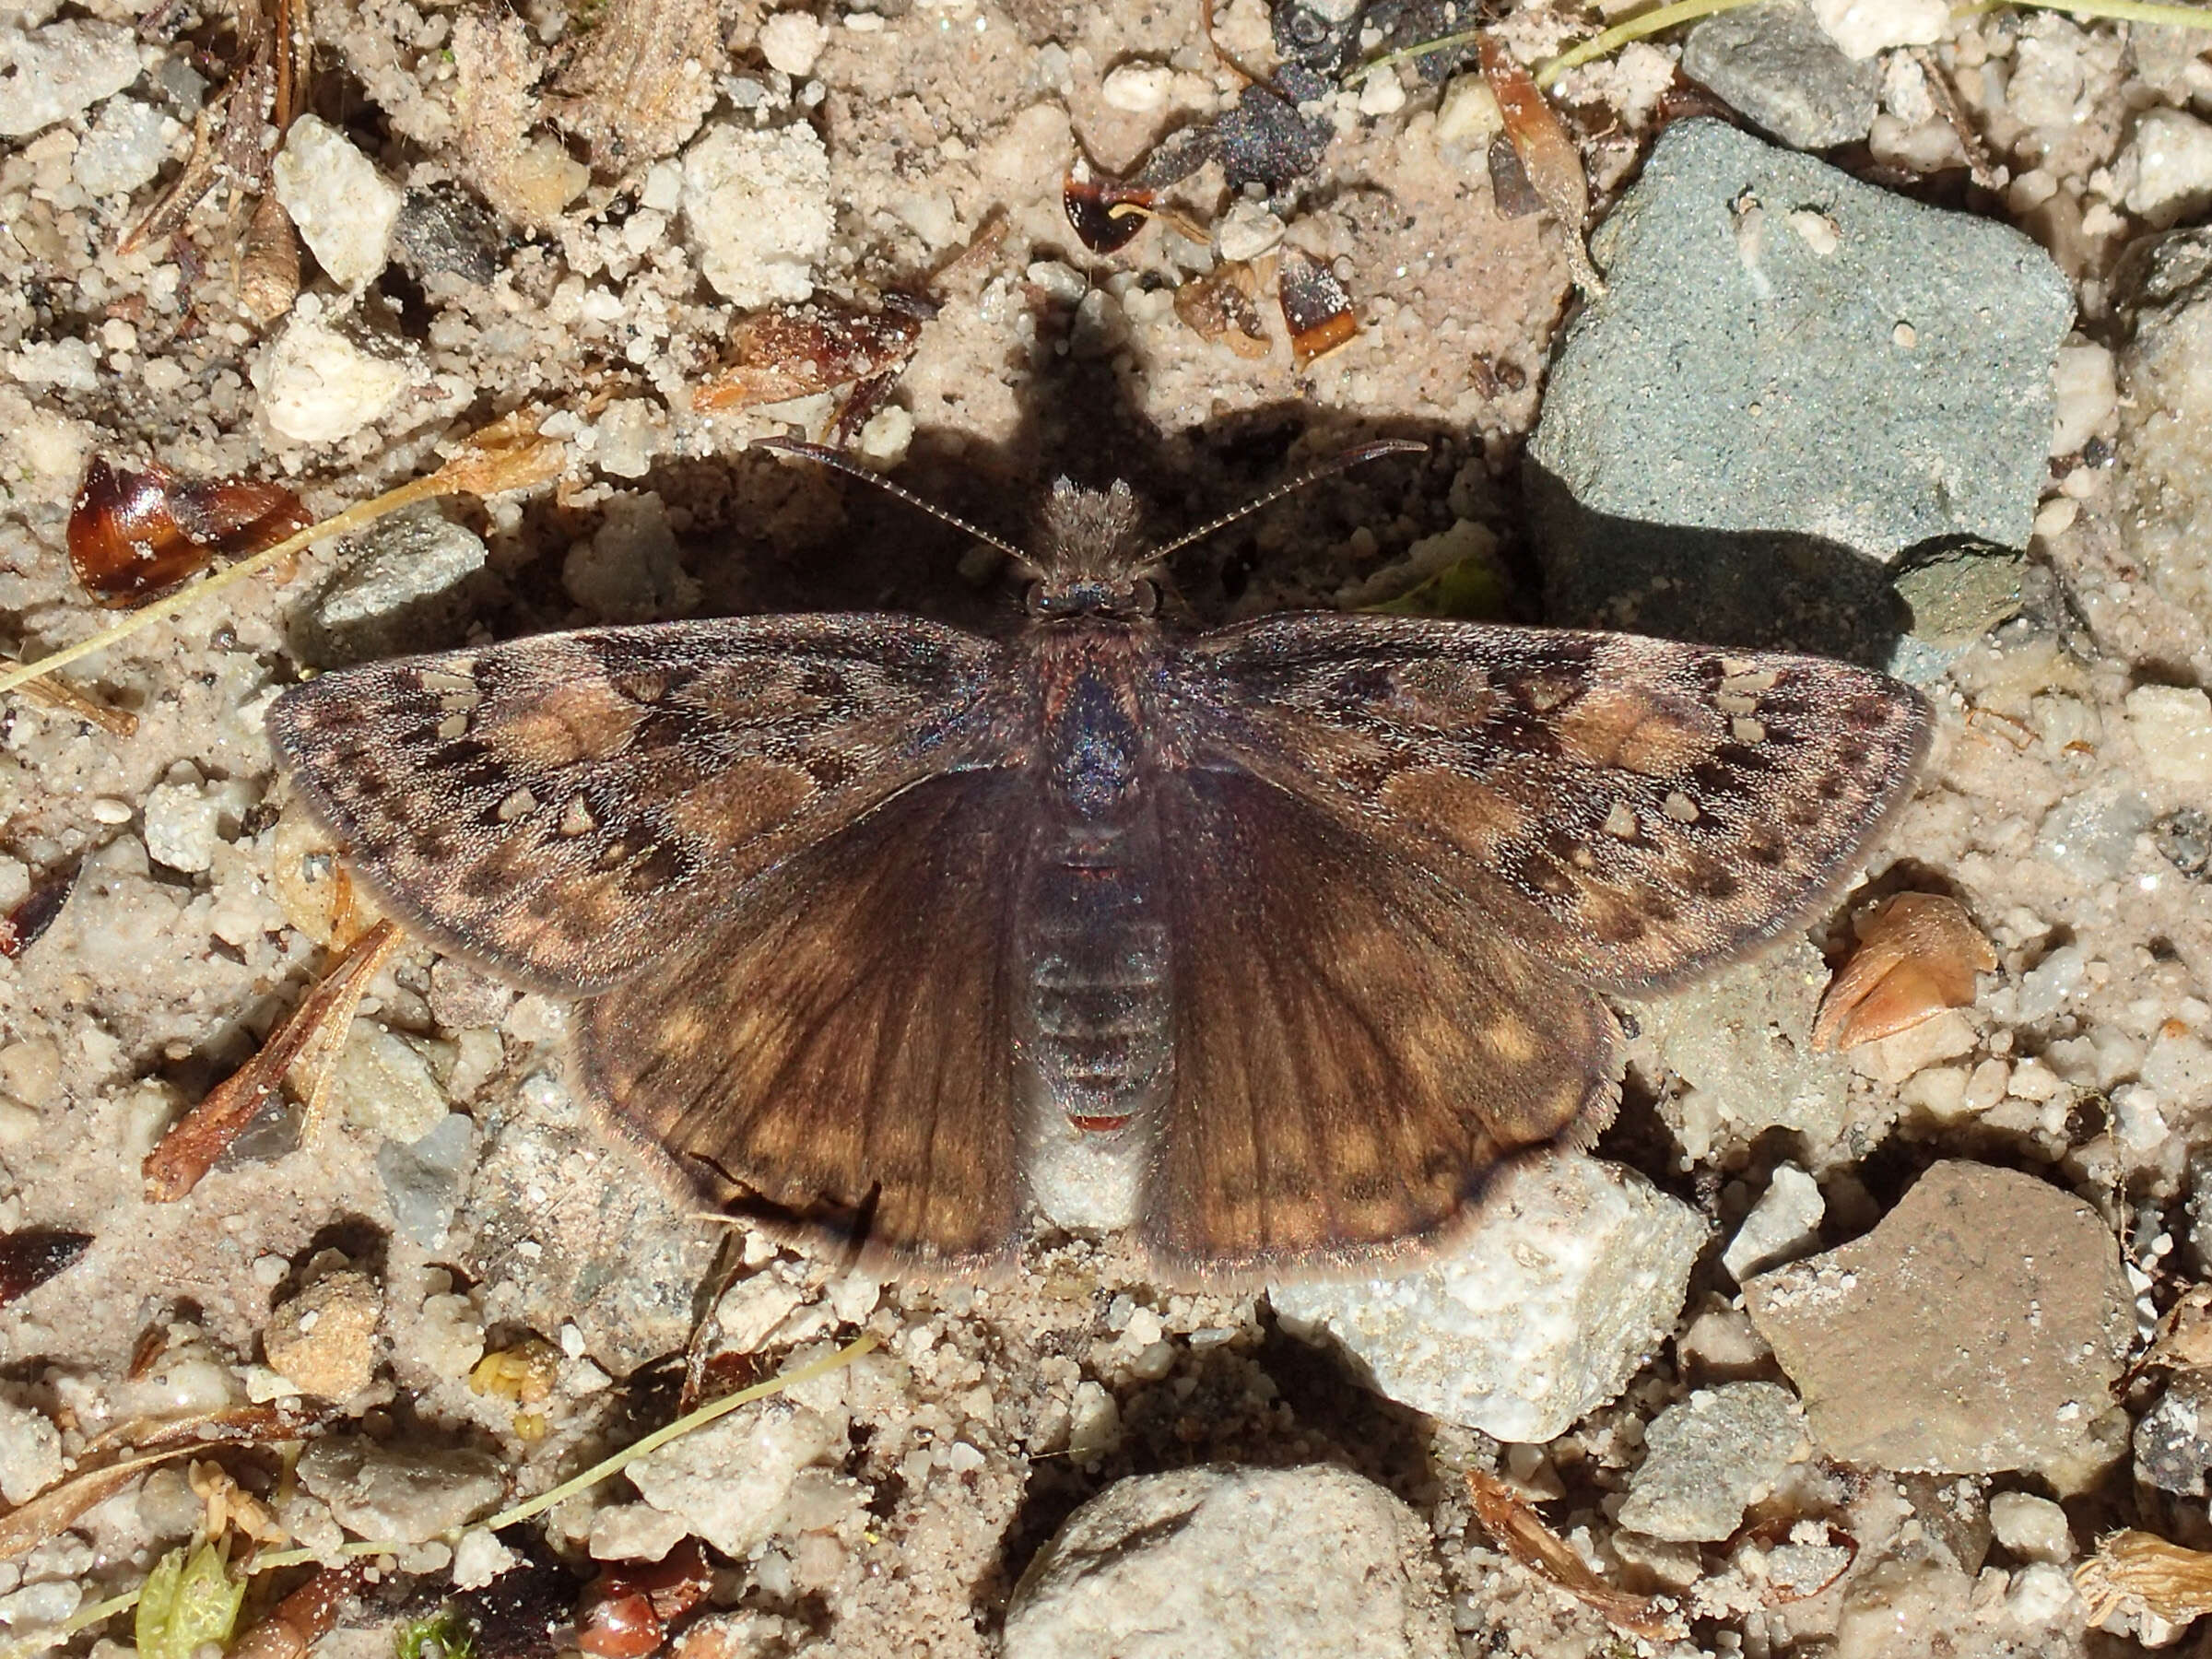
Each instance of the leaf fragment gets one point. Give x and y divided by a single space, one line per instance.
135 535
31 1255
308 1037
1316 309
1917 956
1521 1533
2138 1570
796 350
189 1598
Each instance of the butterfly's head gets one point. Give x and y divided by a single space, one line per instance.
1090 562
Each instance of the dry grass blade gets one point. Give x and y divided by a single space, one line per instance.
116 722
1521 1533
1917 956
28 1525
309 1038
2139 1569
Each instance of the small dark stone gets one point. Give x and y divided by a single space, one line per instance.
2184 838
444 228
2172 1449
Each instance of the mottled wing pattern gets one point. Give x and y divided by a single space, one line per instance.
1356 1051
568 807
1631 810
835 1057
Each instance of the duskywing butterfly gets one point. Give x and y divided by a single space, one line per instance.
1286 934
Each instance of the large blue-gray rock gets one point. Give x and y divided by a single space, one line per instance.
1795 385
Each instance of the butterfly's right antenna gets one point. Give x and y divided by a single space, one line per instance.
1333 465
851 468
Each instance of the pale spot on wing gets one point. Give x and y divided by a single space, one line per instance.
1625 727
1470 815
1747 730
1512 1041
1680 807
1441 693
1746 679
452 726
576 817
739 802
583 721
518 803
1621 821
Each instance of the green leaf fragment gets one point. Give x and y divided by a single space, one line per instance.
190 1598
445 1634
1470 589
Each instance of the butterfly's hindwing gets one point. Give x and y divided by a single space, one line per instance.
570 806
835 1052
1355 1052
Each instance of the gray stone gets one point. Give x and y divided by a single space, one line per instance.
1956 594
1784 1224
1738 1048
1978 1328
1572 1274
1220 1563
2092 835
729 1483
422 1180
48 75
405 1494
442 230
1777 67
1711 1457
1791 379
570 1224
402 590
2173 1439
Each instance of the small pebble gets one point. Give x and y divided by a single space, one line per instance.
343 209
1137 88
317 386
792 40
63 69
2033 1528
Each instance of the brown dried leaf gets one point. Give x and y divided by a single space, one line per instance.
20 928
1917 956
797 350
2183 1339
1088 199
309 1038
1547 155
1521 1533
116 722
1316 309
34 1254
301 1618
134 535
507 454
1221 307
2139 1569
119 1456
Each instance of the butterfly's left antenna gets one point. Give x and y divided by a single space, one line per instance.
851 468
1333 465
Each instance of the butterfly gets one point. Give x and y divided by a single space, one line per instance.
1274 943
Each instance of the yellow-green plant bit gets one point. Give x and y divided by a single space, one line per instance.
190 1597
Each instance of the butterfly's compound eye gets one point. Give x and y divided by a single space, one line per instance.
1144 597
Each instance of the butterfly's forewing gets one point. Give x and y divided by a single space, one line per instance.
1356 1051
568 807
1631 810
834 1056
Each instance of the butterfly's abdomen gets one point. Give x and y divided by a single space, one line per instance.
1092 945
1094 968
